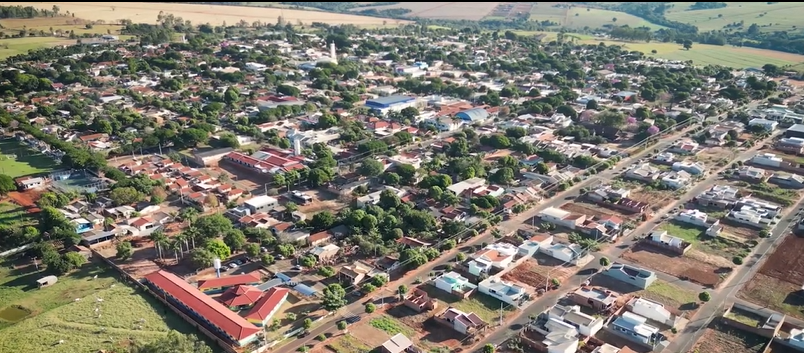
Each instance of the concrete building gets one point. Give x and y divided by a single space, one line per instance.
384 105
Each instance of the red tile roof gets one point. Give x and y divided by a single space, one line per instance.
240 295
206 307
230 281
263 308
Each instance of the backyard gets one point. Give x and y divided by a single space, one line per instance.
17 160
87 313
716 251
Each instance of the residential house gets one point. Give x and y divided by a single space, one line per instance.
635 328
748 215
497 255
685 147
454 283
586 325
721 196
692 216
28 183
551 335
786 180
599 299
397 344
652 310
766 208
768 160
533 244
796 338
420 301
356 272
465 323
561 217
607 348
666 241
676 179
504 291
695 168
374 197
752 174
326 253
633 275
643 172
563 252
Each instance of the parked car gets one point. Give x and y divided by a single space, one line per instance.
233 265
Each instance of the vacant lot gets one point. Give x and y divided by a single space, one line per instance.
590 209
13 214
533 272
679 266
17 160
140 12
70 310
322 200
657 199
346 344
786 262
715 251
721 338
779 16
715 157
430 332
444 10
486 307
676 299
775 294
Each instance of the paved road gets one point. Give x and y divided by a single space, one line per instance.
614 252
512 224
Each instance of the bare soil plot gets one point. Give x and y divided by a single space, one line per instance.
430 331
774 294
715 156
721 338
322 200
739 230
249 178
534 272
679 266
140 264
657 199
26 199
370 335
590 209
786 262
142 12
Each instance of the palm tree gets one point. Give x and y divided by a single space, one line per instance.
175 245
181 238
160 239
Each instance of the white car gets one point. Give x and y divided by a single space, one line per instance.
233 265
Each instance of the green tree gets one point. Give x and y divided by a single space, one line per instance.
307 261
174 342
323 220
308 323
326 271
267 259
7 184
124 250
252 250
334 297
125 196
370 308
704 296
219 249
342 325
74 260
605 262
202 258
402 290
235 239
371 168
488 348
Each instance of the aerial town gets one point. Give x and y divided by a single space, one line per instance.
275 186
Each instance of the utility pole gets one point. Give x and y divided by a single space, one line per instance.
501 313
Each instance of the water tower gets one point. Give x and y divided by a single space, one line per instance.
217 265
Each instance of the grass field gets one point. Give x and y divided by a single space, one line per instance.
15 46
58 25
581 17
392 326
348 344
125 314
443 10
27 161
700 54
12 214
687 232
769 17
140 12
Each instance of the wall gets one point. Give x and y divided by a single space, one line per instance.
223 344
672 249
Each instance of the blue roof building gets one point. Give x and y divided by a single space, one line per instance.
473 115
389 102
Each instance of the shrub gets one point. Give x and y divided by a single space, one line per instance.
737 260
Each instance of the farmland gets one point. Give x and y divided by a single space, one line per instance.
67 311
778 16
442 10
17 160
700 54
581 17
777 284
199 14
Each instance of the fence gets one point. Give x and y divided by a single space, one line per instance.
223 344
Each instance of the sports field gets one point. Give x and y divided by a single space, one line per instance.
84 313
700 54
140 12
17 160
778 16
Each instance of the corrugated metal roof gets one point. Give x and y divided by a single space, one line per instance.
215 313
304 289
